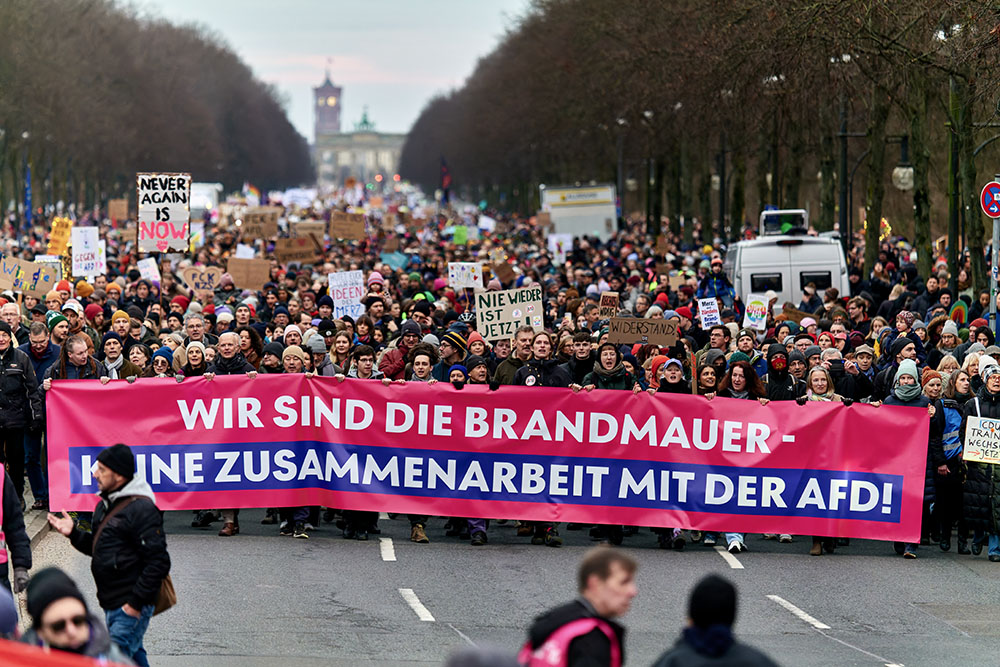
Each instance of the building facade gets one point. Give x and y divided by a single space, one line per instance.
362 154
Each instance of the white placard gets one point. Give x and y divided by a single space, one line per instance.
347 288
982 440
560 245
243 251
756 312
164 211
499 314
708 311
465 274
88 255
148 269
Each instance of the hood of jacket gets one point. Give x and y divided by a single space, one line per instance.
134 487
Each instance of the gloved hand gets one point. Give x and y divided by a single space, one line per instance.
20 579
801 400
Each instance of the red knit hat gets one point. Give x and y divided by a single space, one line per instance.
978 322
685 311
181 301
64 286
209 309
92 311
662 297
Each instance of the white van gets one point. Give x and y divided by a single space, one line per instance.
786 264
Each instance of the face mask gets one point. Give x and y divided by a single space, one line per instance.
779 363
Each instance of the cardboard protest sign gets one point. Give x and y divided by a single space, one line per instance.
756 313
148 270
260 222
708 311
347 226
499 314
389 221
465 274
88 256
629 330
249 273
118 209
31 278
664 268
609 305
164 213
676 282
544 220
559 245
391 244
347 288
202 278
59 236
662 245
982 440
794 314
503 272
304 228
300 250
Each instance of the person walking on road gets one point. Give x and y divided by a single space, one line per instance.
13 537
128 549
60 620
708 639
982 486
584 632
20 407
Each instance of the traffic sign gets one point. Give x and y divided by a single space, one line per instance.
990 199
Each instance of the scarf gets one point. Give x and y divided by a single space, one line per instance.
601 371
113 366
906 392
816 396
414 378
739 394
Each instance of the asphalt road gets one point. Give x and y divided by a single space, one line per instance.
251 599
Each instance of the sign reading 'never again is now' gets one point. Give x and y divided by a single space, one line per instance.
164 211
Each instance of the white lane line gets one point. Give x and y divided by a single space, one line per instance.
416 605
729 558
798 612
388 551
462 635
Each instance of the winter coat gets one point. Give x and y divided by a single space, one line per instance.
130 560
126 370
393 361
20 396
235 365
13 529
89 371
542 373
981 494
684 654
590 650
99 646
619 378
578 369
855 387
934 435
41 364
507 370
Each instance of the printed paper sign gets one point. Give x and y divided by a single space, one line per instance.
347 226
260 222
560 245
249 273
540 453
756 313
31 278
982 440
630 330
149 270
499 314
243 251
609 305
347 288
59 236
465 274
708 311
164 212
88 258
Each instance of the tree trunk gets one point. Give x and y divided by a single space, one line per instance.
876 182
919 97
828 185
705 204
674 195
687 196
975 233
659 170
793 170
737 209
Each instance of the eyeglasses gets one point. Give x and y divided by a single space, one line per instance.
79 621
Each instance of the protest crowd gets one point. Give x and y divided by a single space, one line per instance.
897 338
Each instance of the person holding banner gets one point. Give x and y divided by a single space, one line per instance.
982 486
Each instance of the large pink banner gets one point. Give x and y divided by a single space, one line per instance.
530 453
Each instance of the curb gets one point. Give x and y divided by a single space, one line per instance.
36 525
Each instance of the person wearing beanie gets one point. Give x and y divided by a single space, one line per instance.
452 349
375 282
708 638
271 358
84 289
61 620
606 586
179 304
129 556
65 289
900 349
393 362
322 365
116 366
906 391
479 369
94 315
162 362
458 374
58 327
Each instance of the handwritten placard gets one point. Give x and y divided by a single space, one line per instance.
465 274
609 305
118 209
982 440
202 278
32 278
249 273
347 226
164 211
59 236
629 330
260 222
302 249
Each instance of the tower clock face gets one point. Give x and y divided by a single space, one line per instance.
331 101
321 102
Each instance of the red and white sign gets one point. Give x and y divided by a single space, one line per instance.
990 199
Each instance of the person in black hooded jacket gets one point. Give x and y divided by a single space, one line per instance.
583 359
981 493
781 385
673 381
541 371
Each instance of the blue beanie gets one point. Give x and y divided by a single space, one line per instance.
459 367
166 353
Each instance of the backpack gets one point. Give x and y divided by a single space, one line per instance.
554 652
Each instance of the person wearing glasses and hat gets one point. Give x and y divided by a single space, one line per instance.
61 620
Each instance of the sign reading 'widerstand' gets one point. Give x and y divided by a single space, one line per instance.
538 454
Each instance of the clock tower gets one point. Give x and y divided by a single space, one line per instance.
327 107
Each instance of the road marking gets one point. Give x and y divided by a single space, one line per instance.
798 612
462 635
416 605
388 551
729 558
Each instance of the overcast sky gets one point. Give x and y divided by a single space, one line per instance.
392 55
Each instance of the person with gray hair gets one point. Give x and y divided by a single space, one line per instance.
848 380
197 330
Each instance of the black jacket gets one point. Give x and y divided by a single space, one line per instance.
590 650
854 387
235 365
981 493
683 654
545 373
13 529
131 559
20 397
578 368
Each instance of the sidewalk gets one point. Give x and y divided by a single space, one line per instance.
36 522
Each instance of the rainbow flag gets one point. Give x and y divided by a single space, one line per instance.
250 190
959 312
